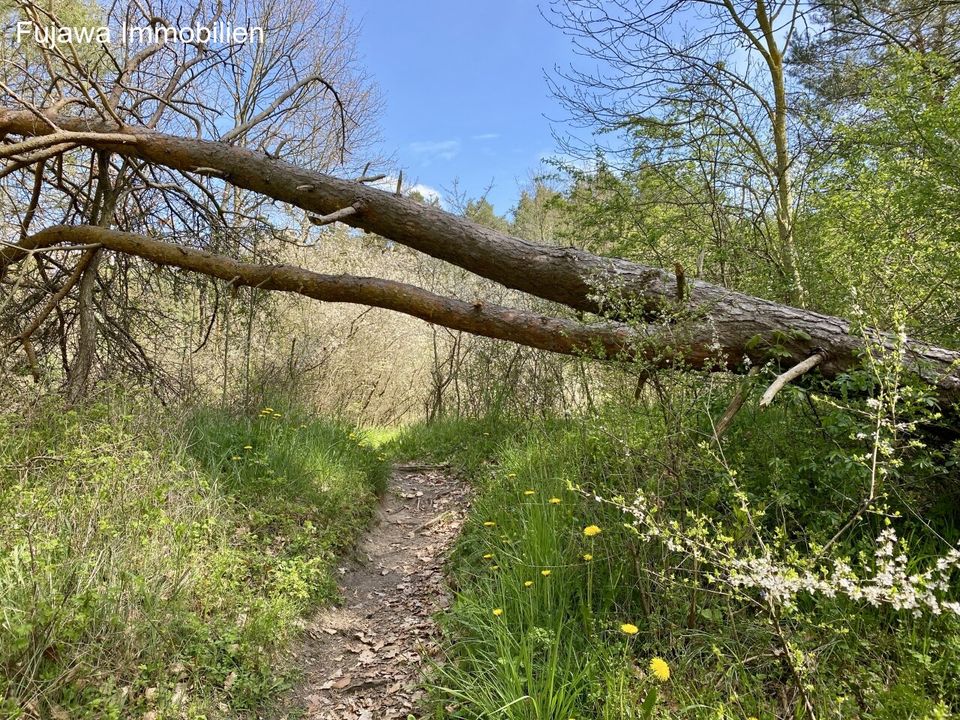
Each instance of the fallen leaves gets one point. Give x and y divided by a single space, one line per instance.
363 660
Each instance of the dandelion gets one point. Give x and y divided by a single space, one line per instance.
494 567
528 583
592 531
660 669
554 501
235 457
588 557
488 556
529 492
248 447
545 573
497 612
629 629
489 523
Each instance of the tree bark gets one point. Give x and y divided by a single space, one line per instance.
723 329
559 335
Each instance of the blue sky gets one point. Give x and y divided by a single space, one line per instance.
463 88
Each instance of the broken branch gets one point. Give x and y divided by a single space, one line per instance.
791 374
334 216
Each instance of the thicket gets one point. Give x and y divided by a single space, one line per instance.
600 545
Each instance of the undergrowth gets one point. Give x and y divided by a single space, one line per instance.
152 567
561 607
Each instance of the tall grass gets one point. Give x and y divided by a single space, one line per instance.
536 631
151 566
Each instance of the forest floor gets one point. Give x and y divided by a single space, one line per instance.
363 659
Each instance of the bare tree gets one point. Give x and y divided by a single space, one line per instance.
295 91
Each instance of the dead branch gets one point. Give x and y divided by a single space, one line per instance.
791 374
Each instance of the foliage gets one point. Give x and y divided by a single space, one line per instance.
541 624
890 209
140 573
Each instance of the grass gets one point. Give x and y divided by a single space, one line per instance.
535 631
154 567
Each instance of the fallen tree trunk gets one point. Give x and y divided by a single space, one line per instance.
664 346
740 326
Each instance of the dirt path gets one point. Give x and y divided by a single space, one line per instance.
362 661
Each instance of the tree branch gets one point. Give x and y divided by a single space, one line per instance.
569 276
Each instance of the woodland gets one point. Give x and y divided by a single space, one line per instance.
677 436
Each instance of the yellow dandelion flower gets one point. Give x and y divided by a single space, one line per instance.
235 457
591 530
629 629
588 557
494 567
488 556
498 612
267 410
489 523
529 492
660 669
545 573
528 583
554 501
511 475
248 447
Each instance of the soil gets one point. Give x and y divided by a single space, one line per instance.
364 659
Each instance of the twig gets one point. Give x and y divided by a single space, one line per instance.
214 172
55 300
433 521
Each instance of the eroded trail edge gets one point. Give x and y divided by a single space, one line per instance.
363 659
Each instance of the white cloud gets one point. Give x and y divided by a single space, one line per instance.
435 149
430 194
485 136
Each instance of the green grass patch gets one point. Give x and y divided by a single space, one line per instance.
536 628
156 565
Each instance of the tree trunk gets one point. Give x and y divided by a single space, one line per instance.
722 328
684 344
78 379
